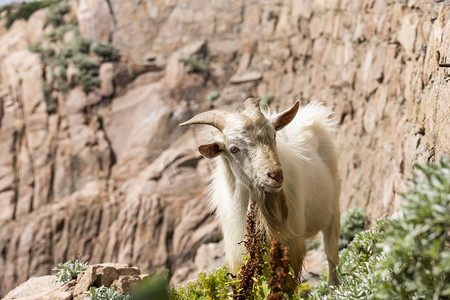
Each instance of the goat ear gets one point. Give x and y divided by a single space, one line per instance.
210 150
284 118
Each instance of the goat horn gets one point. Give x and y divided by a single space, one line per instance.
214 118
252 103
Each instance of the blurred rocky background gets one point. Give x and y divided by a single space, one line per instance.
94 167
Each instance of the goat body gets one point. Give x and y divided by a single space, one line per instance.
307 202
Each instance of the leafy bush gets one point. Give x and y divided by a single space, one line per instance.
78 45
212 286
106 293
57 11
107 51
417 245
406 257
69 270
352 222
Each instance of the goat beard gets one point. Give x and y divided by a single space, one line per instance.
273 216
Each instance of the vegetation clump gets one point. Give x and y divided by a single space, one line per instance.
76 50
213 95
352 222
106 293
193 64
69 270
23 10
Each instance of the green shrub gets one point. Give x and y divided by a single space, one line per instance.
23 10
88 72
312 244
406 257
152 287
417 245
194 64
352 222
105 293
107 51
57 11
212 286
76 46
213 96
69 270
266 100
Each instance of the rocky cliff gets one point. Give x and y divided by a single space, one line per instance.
106 174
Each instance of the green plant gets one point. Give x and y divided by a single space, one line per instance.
99 119
107 51
69 270
266 100
194 64
357 268
271 15
152 287
312 244
88 73
212 286
213 96
57 11
106 293
406 257
23 10
417 245
352 222
76 46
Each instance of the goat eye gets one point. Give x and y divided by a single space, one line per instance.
234 149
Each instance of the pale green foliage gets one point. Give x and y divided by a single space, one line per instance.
352 222
266 100
106 293
106 51
417 255
406 257
213 96
69 270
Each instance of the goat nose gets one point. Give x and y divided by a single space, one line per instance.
276 175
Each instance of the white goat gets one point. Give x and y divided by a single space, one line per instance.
249 165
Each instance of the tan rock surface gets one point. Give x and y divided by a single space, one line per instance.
111 177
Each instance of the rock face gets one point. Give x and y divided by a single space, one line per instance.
121 276
111 177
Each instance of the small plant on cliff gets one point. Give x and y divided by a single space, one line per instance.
57 11
23 10
69 270
106 293
193 64
106 51
213 95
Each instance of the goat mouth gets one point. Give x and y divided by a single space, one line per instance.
271 187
